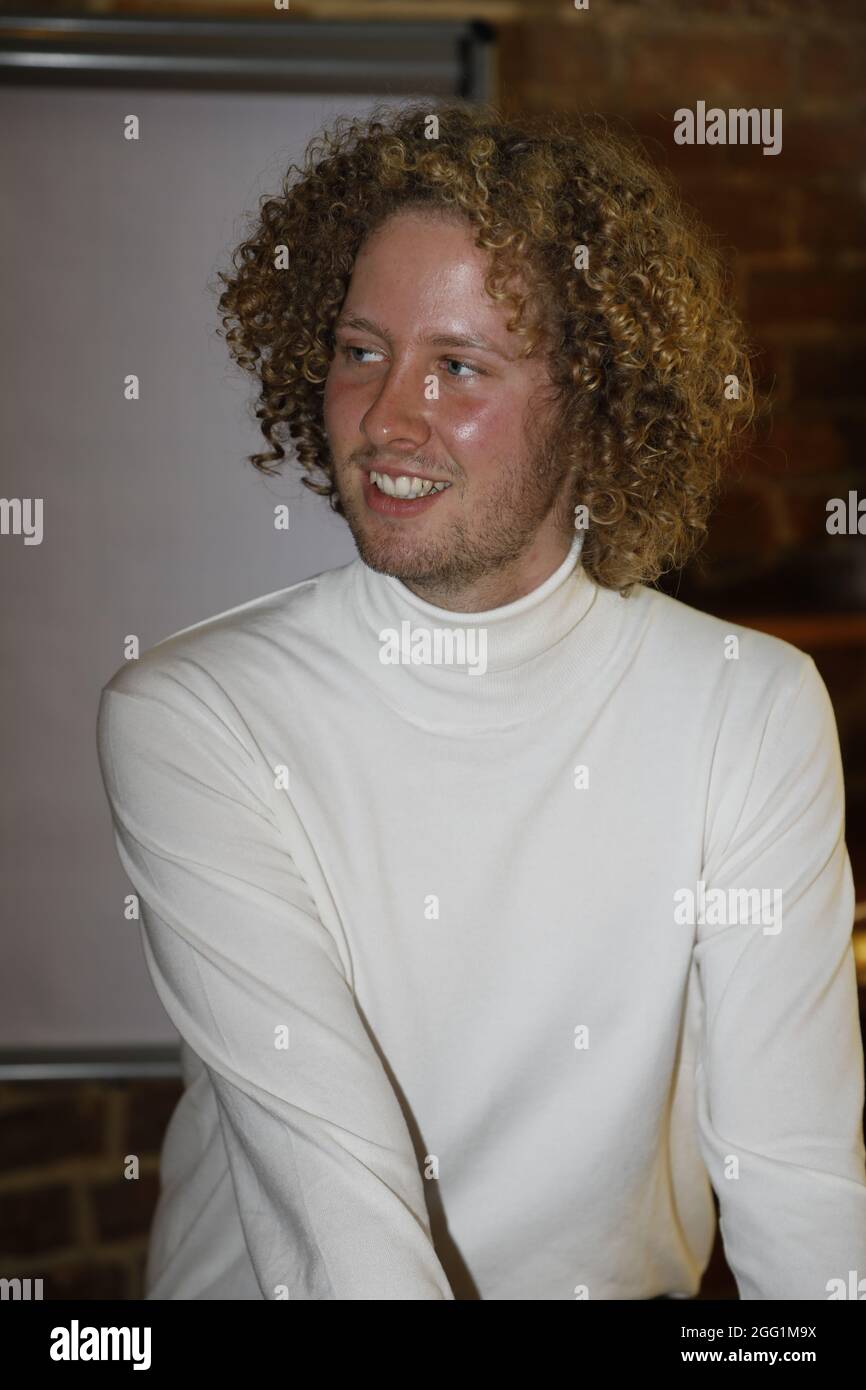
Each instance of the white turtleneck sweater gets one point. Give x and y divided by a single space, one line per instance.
471 1001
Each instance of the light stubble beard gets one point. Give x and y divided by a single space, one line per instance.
469 547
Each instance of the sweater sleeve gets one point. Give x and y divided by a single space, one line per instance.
780 1076
328 1187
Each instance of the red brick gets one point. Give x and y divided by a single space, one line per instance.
801 12
69 1123
555 67
722 70
831 70
850 431
800 447
740 9
136 1276
150 1105
124 1207
831 219
815 293
770 370
747 529
100 1280
811 146
35 1221
807 514
745 216
829 373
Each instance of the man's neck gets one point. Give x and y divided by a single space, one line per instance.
508 583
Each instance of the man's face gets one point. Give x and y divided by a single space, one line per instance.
406 395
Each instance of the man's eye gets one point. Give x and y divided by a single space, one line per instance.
458 362
348 348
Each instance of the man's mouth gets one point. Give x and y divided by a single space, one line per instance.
405 486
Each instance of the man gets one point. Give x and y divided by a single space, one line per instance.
501 901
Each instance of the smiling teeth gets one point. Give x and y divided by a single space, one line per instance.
404 486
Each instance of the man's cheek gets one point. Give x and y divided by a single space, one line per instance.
479 424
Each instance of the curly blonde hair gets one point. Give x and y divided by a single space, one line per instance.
647 356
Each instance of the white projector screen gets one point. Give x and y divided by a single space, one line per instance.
151 518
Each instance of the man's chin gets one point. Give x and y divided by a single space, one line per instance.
421 555
397 556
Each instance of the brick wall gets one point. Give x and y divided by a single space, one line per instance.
791 226
67 1213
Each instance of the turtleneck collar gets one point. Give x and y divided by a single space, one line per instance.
511 633
440 668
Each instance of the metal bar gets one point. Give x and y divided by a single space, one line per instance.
90 1063
390 58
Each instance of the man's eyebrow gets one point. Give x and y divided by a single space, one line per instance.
437 340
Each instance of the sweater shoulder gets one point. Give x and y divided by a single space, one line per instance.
244 640
753 708
693 645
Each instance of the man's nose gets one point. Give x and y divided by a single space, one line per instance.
400 409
